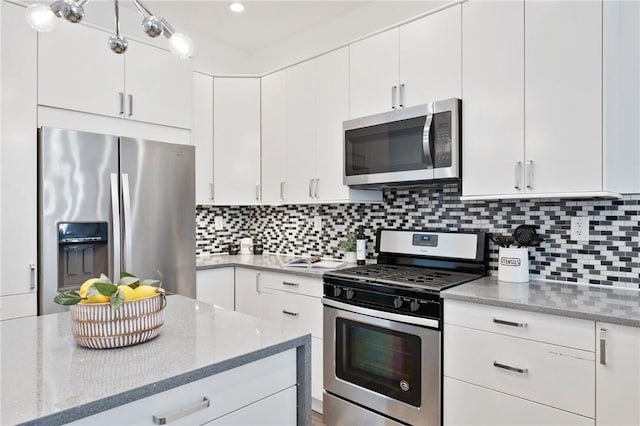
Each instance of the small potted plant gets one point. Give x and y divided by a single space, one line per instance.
348 247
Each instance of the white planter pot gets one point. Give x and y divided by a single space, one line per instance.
513 264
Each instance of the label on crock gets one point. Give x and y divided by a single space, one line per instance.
510 261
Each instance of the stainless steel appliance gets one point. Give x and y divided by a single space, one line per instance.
108 204
408 146
383 323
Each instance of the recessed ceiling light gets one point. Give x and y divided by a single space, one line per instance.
236 7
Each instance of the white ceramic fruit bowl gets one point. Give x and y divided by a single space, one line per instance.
98 326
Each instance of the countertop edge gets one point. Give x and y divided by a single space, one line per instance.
543 309
98 406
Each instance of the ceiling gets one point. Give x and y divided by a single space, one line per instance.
261 24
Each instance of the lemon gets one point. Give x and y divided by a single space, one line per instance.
145 291
97 298
85 286
129 293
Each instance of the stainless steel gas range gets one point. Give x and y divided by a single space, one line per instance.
383 323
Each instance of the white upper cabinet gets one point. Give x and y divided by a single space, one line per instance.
534 96
18 172
493 99
77 71
413 64
202 136
563 96
236 141
158 86
430 58
301 137
274 137
374 74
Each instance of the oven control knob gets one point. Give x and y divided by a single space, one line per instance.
415 305
349 294
397 302
336 291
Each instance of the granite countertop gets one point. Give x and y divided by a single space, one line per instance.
273 262
613 305
46 378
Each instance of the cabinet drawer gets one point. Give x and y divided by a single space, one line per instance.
553 375
227 392
470 405
292 283
300 312
571 332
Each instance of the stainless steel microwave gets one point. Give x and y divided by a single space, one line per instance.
413 145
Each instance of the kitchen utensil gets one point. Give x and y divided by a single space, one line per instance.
524 235
502 240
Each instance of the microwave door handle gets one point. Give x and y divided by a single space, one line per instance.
426 143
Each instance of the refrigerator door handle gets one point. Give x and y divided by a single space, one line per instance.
126 204
115 220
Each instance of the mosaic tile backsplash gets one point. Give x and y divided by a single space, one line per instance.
611 257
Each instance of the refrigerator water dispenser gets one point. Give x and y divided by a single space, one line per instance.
83 252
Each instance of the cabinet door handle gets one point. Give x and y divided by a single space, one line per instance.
32 267
121 102
257 192
282 190
293 314
290 284
517 172
530 174
401 105
394 90
130 105
603 346
510 368
310 188
258 279
510 323
182 412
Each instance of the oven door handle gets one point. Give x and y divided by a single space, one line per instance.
391 316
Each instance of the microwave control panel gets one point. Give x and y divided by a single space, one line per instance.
441 136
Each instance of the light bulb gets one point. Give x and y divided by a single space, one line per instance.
41 17
181 45
236 7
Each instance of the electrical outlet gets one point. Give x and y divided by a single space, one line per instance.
218 223
580 228
317 223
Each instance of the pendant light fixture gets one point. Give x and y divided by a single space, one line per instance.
43 18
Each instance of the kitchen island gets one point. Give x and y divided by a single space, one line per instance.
46 378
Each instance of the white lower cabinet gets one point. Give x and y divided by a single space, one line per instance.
467 404
216 287
617 375
261 392
510 367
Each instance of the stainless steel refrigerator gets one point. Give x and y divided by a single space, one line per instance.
108 204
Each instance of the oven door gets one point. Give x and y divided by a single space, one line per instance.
386 365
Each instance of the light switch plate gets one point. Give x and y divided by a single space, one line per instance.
580 228
317 223
218 223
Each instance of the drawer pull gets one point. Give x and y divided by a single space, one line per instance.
290 284
293 314
182 412
603 346
508 367
510 323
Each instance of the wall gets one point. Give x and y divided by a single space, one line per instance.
611 257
